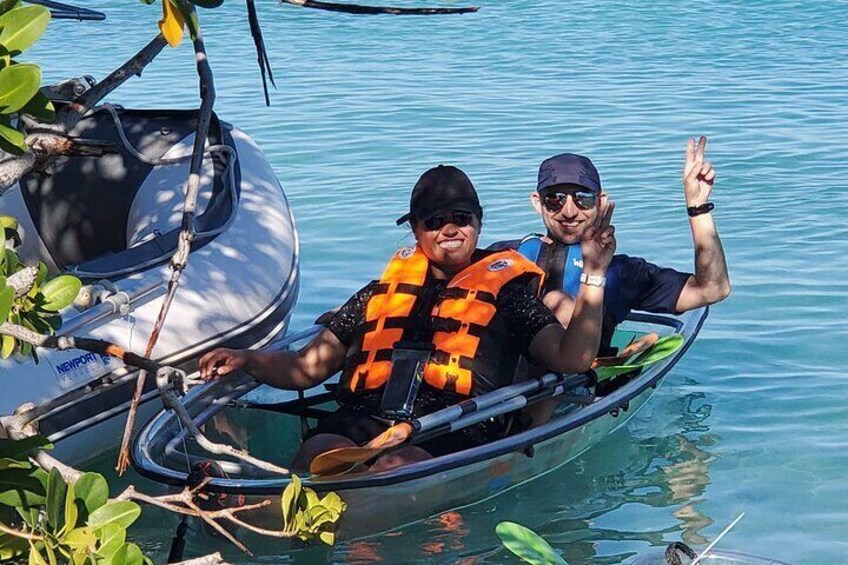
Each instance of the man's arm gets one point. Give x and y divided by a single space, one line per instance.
710 283
316 362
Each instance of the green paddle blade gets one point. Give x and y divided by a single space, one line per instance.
528 545
663 348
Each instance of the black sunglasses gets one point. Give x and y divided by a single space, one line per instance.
583 199
459 219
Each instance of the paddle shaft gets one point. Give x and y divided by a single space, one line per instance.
447 415
554 388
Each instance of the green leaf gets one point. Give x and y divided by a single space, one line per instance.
71 511
18 84
51 554
12 262
60 292
11 140
289 503
92 492
527 544
7 5
8 222
7 297
112 537
23 487
189 14
7 347
42 273
128 554
56 493
35 557
123 513
6 463
40 107
11 547
80 538
333 501
22 27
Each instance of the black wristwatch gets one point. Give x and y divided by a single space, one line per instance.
698 210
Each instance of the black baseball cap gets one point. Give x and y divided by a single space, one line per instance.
568 168
440 189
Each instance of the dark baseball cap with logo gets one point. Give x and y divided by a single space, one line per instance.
442 189
568 168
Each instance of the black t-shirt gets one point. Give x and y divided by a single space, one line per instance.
632 284
636 284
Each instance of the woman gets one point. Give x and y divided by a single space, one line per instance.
456 317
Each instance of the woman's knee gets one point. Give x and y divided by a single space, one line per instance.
402 456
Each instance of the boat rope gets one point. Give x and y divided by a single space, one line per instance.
157 161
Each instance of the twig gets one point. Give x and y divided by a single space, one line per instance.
172 402
213 559
373 10
18 534
71 114
180 258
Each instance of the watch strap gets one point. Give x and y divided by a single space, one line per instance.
698 210
593 280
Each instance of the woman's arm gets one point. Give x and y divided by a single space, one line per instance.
293 370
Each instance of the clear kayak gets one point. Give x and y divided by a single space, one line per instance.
227 411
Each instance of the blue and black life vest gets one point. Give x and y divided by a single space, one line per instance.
562 264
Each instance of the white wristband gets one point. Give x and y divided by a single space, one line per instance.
593 280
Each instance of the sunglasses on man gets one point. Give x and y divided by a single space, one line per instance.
459 219
583 199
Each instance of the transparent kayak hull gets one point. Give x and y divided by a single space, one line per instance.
712 558
381 501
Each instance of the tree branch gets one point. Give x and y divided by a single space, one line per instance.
18 534
213 559
373 10
23 280
180 258
51 139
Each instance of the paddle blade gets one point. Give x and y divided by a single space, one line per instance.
663 348
395 435
344 459
636 346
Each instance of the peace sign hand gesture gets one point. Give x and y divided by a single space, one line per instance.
698 174
598 241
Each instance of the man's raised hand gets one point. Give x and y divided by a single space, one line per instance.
698 174
598 242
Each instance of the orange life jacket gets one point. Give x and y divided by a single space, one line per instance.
460 319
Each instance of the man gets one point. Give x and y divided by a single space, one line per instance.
459 315
569 197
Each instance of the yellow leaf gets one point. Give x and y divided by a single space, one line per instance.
171 24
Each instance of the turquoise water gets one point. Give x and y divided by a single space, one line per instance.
754 418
